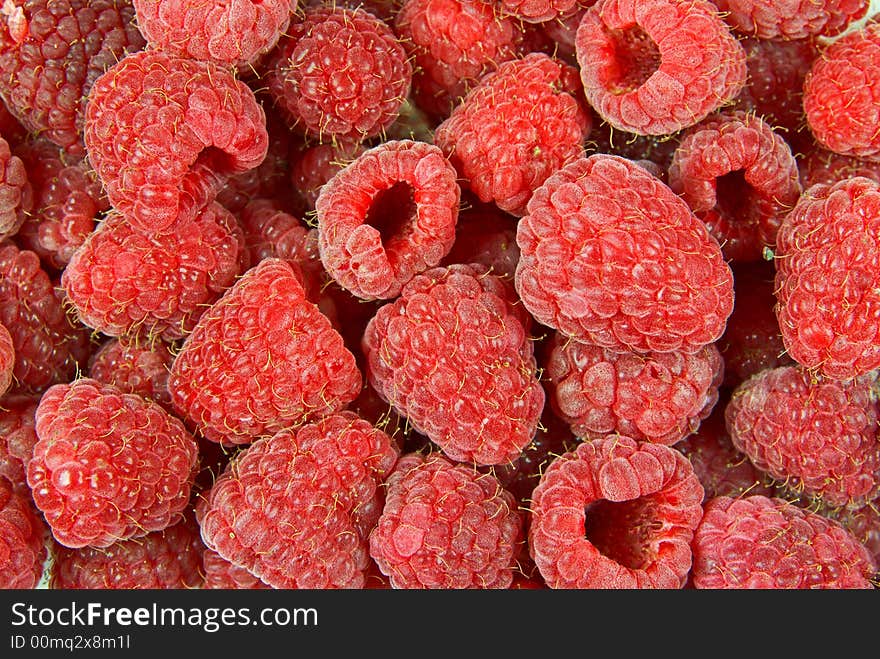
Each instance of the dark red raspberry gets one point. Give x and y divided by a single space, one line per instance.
220 574
562 30
653 67
453 355
828 278
521 123
655 397
756 542
17 438
740 177
135 366
641 149
862 522
446 525
817 437
16 191
484 234
22 540
49 346
609 255
108 466
167 559
841 91
121 281
615 513
232 32
797 19
10 128
270 232
164 133
295 509
51 53
261 359
386 217
316 164
339 73
820 165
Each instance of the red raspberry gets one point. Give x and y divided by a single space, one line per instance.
51 53
757 542
596 266
818 437
220 574
653 67
270 232
225 31
164 133
792 19
819 165
387 216
339 73
615 513
486 235
862 522
828 278
108 466
840 94
17 438
539 11
167 559
22 540
315 165
453 355
49 346
135 367
655 397
121 281
740 177
16 192
261 359
446 525
521 123
295 509
7 360
562 30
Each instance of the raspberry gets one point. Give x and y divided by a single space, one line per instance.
51 53
108 466
220 574
134 367
485 235
387 216
862 522
446 525
294 509
818 437
539 11
615 513
562 30
739 177
655 397
16 192
339 73
517 126
261 359
121 281
452 354
316 164
17 438
828 278
822 166
269 232
841 92
22 540
792 20
757 542
225 32
167 559
653 67
49 346
164 133
595 266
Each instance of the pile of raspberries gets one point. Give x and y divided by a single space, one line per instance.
448 294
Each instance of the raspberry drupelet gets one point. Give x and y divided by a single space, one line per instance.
136 366
22 539
16 191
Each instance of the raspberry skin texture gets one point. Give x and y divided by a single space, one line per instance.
828 278
387 216
108 466
262 358
227 32
786 21
16 192
519 124
739 177
594 266
339 73
452 354
615 513
220 574
817 438
655 67
17 438
654 397
538 11
121 282
170 559
50 346
445 525
136 367
51 53
847 122
757 542
22 540
164 133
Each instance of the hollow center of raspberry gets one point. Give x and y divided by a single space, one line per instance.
636 58
622 530
734 197
392 211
